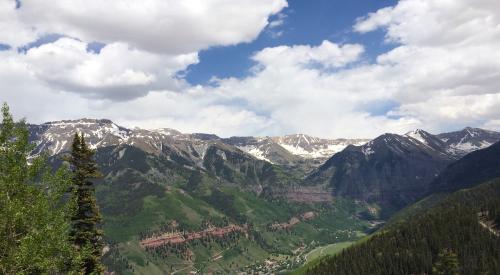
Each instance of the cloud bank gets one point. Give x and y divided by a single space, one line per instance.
442 73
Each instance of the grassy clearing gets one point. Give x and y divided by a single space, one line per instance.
315 255
330 249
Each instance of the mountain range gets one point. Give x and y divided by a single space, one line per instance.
391 170
395 170
54 138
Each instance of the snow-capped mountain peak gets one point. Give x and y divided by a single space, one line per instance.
419 135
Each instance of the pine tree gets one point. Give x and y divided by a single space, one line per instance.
446 264
85 230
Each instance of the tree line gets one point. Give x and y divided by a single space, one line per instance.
49 218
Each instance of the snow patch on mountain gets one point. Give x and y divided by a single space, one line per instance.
418 135
367 149
324 151
167 132
469 146
256 152
312 147
121 153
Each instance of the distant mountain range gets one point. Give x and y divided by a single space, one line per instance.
391 170
55 137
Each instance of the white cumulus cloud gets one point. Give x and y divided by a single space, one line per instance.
327 54
162 26
117 71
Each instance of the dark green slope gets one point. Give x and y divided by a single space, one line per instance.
414 246
475 167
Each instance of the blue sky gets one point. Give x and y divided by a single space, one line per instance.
306 22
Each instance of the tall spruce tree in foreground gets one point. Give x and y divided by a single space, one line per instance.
86 219
34 217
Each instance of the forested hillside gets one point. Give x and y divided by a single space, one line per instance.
458 235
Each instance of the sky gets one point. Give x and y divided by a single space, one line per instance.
333 69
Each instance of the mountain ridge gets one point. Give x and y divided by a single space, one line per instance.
54 136
304 146
395 170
